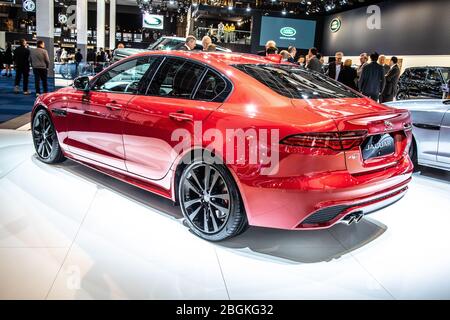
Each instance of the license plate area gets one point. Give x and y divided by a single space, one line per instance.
376 146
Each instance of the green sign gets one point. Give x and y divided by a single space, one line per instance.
335 25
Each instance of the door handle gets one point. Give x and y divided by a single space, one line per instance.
180 116
113 106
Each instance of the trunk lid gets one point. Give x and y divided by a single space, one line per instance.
388 130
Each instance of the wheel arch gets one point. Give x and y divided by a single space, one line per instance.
183 161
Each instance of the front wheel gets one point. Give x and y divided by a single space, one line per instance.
210 201
45 140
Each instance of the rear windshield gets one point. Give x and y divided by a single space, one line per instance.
294 82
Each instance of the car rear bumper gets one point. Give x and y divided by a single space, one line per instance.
320 200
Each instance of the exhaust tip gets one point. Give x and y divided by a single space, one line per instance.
359 217
351 220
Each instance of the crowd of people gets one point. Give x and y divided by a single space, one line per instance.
373 78
23 58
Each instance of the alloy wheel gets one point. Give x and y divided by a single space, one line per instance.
43 135
205 198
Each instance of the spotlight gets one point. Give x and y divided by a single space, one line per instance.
171 2
283 12
230 7
248 9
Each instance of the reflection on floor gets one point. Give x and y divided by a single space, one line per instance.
68 232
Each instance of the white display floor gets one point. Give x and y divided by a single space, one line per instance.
68 232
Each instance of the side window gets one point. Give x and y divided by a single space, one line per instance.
418 74
433 75
125 77
176 78
212 88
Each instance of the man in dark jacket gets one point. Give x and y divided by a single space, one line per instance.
22 64
313 62
189 44
391 78
292 53
334 68
371 82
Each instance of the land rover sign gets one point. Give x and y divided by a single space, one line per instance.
152 21
335 25
288 32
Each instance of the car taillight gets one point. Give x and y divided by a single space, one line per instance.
338 141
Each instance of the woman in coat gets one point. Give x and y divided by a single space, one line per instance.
348 74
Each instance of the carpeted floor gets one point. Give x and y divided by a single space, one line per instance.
13 105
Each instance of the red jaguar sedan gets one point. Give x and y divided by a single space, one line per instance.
234 139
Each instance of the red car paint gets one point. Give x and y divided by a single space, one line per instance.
128 137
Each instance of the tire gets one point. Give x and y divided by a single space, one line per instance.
413 154
225 215
45 139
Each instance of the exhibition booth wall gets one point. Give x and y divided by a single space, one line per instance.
398 28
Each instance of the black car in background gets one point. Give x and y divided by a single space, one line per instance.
423 83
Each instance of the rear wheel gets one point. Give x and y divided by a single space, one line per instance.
210 201
45 140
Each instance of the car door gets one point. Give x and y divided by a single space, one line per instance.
444 139
174 100
95 116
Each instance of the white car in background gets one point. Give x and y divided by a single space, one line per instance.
163 43
431 131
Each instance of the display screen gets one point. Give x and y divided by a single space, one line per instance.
152 21
288 32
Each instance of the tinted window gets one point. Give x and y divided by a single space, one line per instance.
176 78
297 83
445 74
212 88
125 77
167 44
433 75
418 74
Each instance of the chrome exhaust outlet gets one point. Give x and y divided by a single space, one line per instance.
359 217
349 219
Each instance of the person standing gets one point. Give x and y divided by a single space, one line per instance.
269 44
40 63
220 29
335 67
206 42
302 61
363 58
90 56
382 62
101 56
226 31
391 78
371 82
292 53
232 33
313 62
78 59
348 75
189 44
22 64
8 60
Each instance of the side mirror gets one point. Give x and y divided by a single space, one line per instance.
81 83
